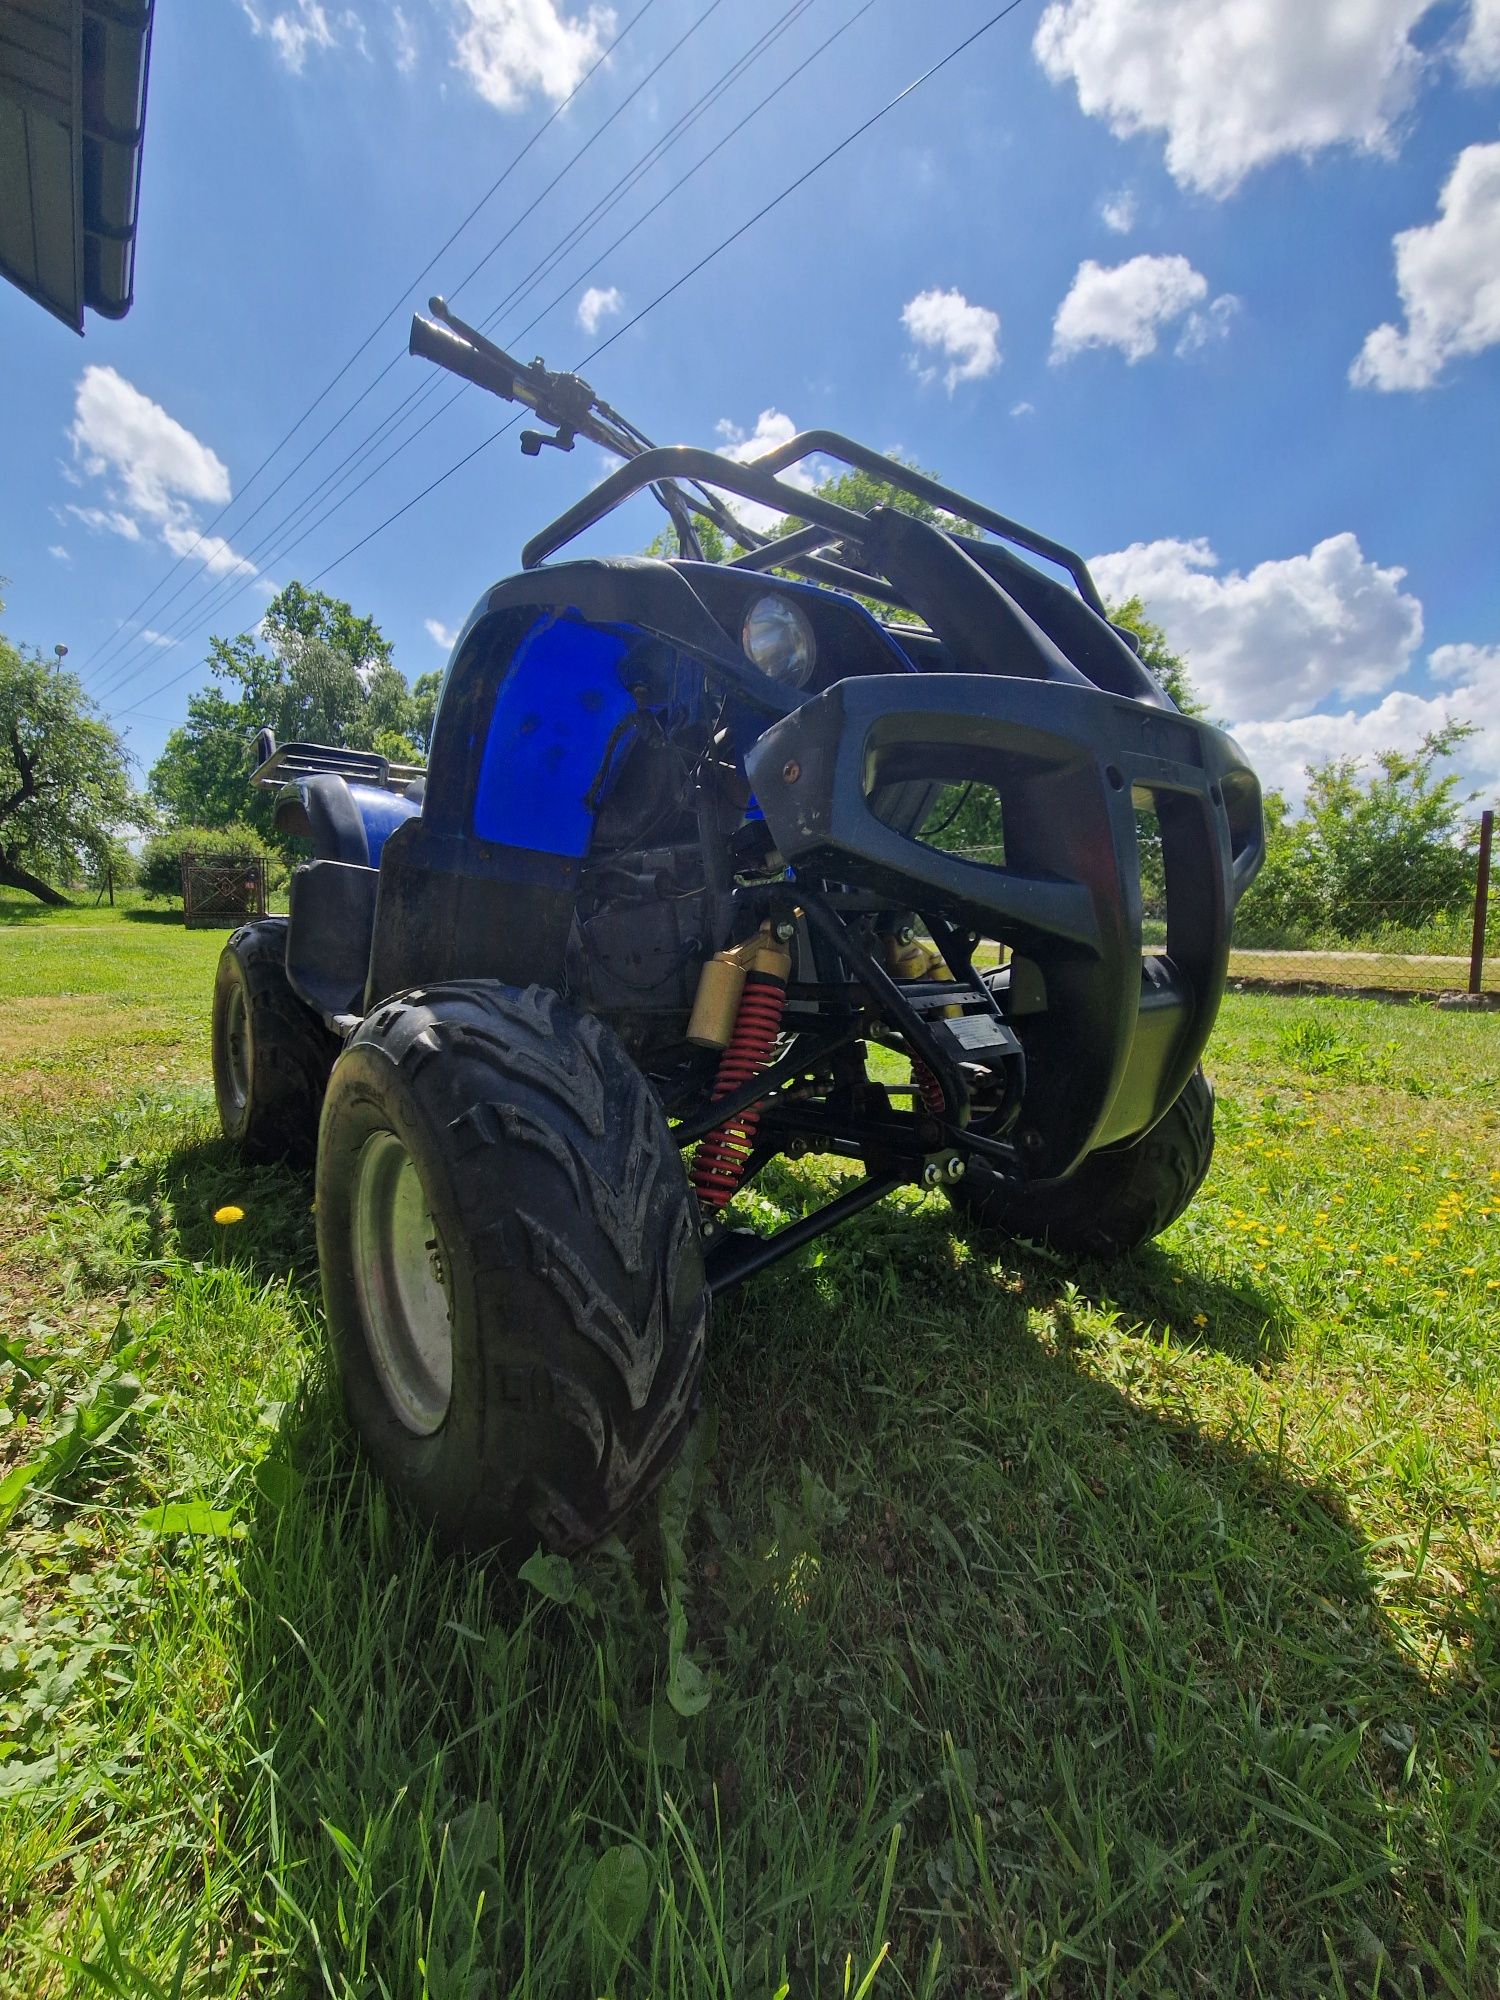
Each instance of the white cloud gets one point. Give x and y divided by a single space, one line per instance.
1023 409
119 433
1274 642
1199 328
1272 648
216 555
1479 52
1232 84
1448 274
1127 305
947 323
772 427
1464 663
155 472
304 25
441 634
510 48
405 36
57 549
105 521
597 303
1280 751
1117 211
154 638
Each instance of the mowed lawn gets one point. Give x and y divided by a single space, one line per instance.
1010 1627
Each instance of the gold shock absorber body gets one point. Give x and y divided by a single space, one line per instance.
721 983
911 959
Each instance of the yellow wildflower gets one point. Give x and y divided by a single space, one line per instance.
228 1215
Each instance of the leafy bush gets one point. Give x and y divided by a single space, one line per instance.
161 863
1379 851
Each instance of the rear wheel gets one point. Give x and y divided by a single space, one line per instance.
1116 1200
271 1052
511 1264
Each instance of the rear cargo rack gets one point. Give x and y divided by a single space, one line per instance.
284 765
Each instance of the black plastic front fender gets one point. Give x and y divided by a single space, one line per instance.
1068 763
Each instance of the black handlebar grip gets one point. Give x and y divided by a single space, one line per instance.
431 342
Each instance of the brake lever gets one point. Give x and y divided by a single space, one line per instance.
532 441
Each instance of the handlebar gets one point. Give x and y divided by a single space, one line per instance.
569 405
564 401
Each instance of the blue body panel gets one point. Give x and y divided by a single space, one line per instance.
544 769
561 701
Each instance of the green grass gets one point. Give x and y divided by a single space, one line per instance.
1064 1631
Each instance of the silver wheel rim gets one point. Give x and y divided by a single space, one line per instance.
238 1051
403 1296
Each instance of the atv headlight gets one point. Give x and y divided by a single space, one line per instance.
778 638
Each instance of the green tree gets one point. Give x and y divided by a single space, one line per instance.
202 776
319 674
425 690
65 792
1380 845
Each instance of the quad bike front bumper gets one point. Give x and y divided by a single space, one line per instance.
1110 1037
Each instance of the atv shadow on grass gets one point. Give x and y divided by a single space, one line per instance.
945 1559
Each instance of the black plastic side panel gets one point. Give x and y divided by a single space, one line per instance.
451 908
328 937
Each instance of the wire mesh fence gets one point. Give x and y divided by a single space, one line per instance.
1408 916
1402 912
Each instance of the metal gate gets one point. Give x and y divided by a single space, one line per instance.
222 890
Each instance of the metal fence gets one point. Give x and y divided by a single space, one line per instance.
220 891
1415 919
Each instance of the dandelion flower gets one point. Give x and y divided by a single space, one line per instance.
228 1215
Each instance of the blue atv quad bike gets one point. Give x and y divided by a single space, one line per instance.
674 866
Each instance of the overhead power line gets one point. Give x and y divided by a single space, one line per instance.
119 680
725 243
389 314
703 262
222 589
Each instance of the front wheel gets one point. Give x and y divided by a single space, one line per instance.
511 1265
1116 1200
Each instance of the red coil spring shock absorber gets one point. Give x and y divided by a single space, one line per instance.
928 1088
722 1157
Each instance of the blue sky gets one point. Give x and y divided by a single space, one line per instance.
1209 289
